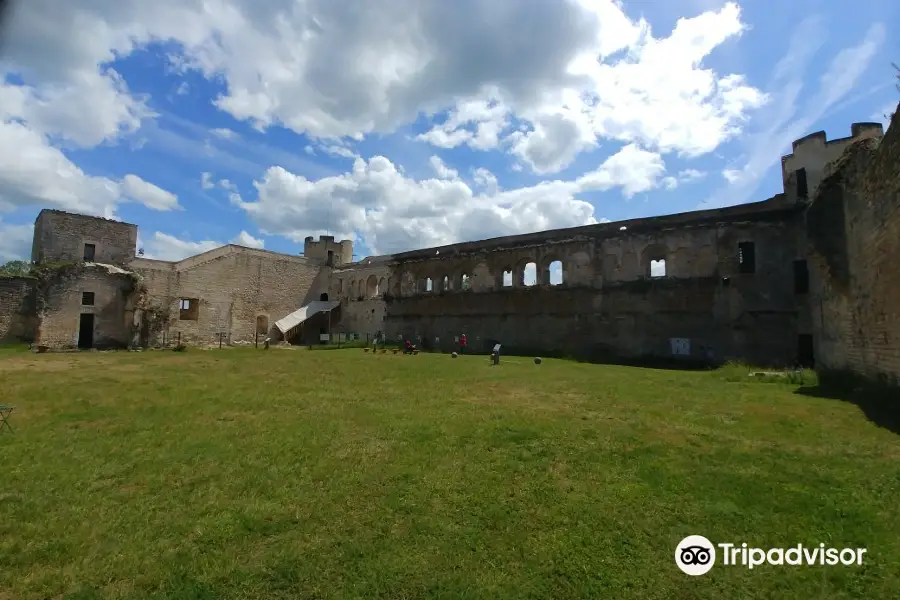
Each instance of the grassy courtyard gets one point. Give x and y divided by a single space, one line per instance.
253 474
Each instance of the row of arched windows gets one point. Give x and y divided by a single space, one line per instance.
523 274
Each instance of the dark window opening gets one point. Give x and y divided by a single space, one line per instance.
189 309
89 251
747 257
726 282
330 258
801 277
323 297
805 351
87 298
802 184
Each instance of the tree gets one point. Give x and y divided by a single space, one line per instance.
15 267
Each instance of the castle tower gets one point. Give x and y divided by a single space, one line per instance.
803 170
328 251
61 237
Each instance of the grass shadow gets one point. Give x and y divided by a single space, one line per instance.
879 401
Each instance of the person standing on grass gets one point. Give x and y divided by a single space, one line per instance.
462 344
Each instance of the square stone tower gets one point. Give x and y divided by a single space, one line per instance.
65 237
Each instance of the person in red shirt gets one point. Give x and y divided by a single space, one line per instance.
462 344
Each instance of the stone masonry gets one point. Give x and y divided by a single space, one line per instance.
854 242
808 275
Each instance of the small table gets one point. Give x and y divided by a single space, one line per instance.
5 411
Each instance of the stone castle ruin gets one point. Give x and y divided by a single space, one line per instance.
809 276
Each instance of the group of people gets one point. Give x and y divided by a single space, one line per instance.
409 347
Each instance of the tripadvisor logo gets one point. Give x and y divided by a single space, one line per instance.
696 555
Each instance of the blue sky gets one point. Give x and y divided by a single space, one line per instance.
409 128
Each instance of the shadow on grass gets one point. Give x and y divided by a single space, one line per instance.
879 401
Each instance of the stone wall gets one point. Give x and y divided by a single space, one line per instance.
232 290
62 302
361 288
61 237
611 300
854 241
17 307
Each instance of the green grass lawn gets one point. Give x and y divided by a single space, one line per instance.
253 474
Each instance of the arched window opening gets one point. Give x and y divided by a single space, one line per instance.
371 286
323 297
465 281
445 283
429 284
382 287
529 274
658 267
556 272
507 278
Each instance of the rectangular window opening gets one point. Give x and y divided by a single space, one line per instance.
801 277
802 184
89 252
189 309
747 257
87 298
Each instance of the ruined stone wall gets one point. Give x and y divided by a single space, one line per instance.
854 240
361 288
61 302
610 301
17 305
231 290
61 237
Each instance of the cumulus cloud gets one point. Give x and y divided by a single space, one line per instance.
151 196
392 212
573 70
245 239
652 91
163 246
442 170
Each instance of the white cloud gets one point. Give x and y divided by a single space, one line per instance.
224 133
486 180
15 242
33 173
163 246
391 212
206 181
227 185
442 170
245 239
337 72
149 195
785 120
656 94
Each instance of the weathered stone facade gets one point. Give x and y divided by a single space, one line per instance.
854 242
808 274
64 237
85 305
609 303
17 308
233 291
